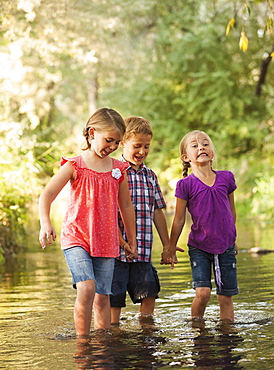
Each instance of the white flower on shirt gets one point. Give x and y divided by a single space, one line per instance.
116 173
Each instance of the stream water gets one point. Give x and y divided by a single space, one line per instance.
37 331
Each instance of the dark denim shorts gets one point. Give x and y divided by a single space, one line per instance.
140 279
202 264
84 267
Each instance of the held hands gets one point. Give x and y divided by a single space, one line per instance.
47 235
169 258
130 251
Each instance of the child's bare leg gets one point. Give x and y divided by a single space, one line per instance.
115 314
147 306
83 306
200 301
101 307
226 307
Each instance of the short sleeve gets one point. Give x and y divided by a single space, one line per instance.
181 190
232 183
65 160
73 163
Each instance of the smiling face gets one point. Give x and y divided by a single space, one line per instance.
199 149
136 149
105 142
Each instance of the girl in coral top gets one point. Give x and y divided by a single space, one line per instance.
209 197
89 238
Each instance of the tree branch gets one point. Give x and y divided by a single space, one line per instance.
264 67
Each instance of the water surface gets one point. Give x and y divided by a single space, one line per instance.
37 331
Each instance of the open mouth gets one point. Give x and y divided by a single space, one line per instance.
105 152
138 159
202 155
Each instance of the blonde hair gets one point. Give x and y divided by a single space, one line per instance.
104 119
184 143
137 125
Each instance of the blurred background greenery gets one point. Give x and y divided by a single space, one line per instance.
182 64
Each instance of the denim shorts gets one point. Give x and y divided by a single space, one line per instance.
84 267
140 279
202 264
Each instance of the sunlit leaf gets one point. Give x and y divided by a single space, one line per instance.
243 41
246 10
230 25
269 25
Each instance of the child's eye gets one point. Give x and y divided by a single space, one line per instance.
108 140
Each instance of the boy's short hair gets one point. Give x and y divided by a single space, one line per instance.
137 125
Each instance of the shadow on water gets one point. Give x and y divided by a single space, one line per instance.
217 350
119 349
145 348
37 331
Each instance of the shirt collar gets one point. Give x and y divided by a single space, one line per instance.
142 166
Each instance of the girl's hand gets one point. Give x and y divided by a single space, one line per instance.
175 260
236 248
130 251
47 235
168 258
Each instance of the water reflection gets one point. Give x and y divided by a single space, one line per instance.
217 350
37 331
120 349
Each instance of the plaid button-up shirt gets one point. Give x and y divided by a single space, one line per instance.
146 195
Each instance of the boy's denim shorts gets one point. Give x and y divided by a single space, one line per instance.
140 279
84 267
202 264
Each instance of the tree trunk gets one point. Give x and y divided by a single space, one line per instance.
92 87
264 66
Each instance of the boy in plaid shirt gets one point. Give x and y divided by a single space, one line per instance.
138 276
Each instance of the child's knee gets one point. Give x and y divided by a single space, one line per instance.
85 289
101 300
203 294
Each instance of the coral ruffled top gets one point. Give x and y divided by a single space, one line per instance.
91 220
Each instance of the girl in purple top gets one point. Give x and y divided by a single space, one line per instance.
209 197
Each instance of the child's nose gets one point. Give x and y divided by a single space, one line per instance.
114 146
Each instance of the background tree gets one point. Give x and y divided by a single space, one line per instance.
170 61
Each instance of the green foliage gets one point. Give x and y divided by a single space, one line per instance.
14 202
17 186
169 61
263 201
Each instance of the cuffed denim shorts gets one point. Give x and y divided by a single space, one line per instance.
202 264
84 267
140 279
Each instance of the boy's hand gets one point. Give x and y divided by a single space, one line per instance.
167 258
130 251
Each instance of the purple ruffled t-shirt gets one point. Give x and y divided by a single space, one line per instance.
213 229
